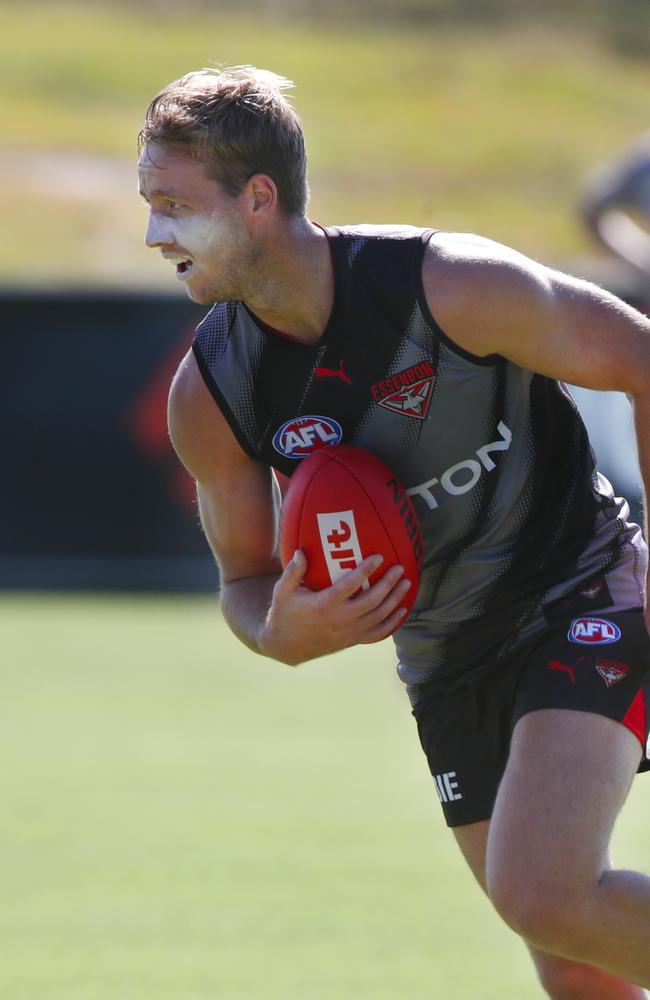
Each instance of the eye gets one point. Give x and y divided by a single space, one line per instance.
175 206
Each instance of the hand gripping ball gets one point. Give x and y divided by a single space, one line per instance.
343 505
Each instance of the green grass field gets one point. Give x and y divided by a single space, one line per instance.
182 819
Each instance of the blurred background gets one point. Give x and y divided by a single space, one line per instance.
182 819
488 117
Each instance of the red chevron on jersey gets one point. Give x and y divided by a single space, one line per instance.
407 392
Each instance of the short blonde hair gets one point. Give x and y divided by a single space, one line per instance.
237 121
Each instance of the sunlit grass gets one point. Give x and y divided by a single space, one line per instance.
182 819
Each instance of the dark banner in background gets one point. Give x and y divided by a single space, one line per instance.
92 495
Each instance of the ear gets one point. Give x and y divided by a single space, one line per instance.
262 195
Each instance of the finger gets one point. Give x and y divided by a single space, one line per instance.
386 627
371 598
392 601
294 573
357 578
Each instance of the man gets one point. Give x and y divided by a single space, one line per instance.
527 657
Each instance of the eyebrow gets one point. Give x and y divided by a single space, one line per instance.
170 195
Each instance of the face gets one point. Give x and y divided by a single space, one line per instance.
195 224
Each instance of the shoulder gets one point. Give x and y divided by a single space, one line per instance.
372 231
463 262
473 285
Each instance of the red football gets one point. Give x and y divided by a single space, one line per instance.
344 504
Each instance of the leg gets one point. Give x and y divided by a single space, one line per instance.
547 858
561 978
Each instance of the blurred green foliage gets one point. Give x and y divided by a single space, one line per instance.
449 123
621 24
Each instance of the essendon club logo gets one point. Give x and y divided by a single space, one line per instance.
340 542
593 590
407 392
593 631
611 671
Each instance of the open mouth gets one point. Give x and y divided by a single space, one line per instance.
184 266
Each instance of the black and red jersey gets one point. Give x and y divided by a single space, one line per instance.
515 518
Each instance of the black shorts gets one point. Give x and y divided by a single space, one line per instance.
596 663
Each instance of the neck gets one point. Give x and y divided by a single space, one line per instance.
293 289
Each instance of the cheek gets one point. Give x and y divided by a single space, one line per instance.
197 233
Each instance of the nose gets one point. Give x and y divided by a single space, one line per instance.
158 233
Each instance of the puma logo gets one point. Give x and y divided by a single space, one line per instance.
333 373
556 665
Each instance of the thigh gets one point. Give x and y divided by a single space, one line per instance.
567 777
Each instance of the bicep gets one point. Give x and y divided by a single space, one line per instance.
591 338
571 330
238 499
239 515
496 301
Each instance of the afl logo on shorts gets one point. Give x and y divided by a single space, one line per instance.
593 631
302 435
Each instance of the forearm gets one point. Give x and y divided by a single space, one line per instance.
278 617
267 623
245 605
263 620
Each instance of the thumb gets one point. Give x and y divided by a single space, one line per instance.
295 570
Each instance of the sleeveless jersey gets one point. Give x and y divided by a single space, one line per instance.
514 516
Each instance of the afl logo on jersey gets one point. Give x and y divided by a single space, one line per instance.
302 435
593 631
